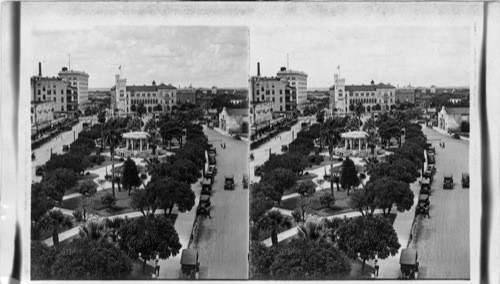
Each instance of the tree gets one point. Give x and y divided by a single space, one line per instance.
273 220
113 135
56 182
170 192
363 200
366 237
259 205
86 188
360 109
280 179
305 188
327 200
86 259
315 231
101 117
140 110
87 205
389 192
352 107
54 221
42 259
320 118
294 161
145 201
302 145
41 203
349 176
130 177
304 259
261 259
304 206
149 236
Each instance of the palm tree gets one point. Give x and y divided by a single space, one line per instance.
315 231
92 229
55 220
113 135
273 220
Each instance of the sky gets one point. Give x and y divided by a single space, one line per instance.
201 56
420 56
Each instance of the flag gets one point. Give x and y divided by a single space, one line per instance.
120 68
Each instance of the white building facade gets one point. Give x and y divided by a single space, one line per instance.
80 81
297 79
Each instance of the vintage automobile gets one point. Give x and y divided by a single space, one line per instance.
431 150
431 160
206 186
448 181
205 199
190 266
455 136
65 148
465 180
428 175
237 137
432 169
284 148
229 182
209 175
425 186
245 181
213 169
408 264
423 203
212 149
211 159
33 156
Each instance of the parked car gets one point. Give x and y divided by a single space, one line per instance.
229 182
39 171
211 159
237 137
189 264
431 160
425 186
213 169
205 199
33 156
428 175
423 203
65 148
258 171
448 181
409 264
455 136
432 169
206 186
284 148
465 180
209 175
245 181
431 150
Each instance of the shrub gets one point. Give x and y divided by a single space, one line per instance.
340 159
108 200
327 200
297 216
78 215
121 160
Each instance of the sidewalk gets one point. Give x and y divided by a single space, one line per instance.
227 134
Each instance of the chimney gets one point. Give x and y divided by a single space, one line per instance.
39 68
258 68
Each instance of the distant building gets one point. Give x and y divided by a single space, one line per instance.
405 95
297 79
214 90
375 97
99 94
79 80
451 118
186 95
56 90
433 89
278 91
156 98
233 120
261 115
423 99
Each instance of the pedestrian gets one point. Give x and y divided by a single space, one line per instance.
376 267
443 145
208 213
157 266
224 145
427 209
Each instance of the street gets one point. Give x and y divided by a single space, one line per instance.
43 152
443 242
223 245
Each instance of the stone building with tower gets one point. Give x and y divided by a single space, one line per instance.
156 98
374 97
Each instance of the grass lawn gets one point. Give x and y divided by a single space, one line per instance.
122 204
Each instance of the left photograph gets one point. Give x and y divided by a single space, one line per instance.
139 138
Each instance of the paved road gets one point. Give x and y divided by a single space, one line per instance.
223 245
43 153
443 241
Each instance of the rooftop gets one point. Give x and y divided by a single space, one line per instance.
457 110
136 135
237 111
354 134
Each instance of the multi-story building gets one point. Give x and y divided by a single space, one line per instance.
374 97
156 98
261 115
79 80
56 90
273 89
298 80
186 95
405 95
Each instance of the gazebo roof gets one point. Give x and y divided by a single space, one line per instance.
136 135
354 134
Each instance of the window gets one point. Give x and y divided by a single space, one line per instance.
281 100
281 92
62 92
62 99
39 92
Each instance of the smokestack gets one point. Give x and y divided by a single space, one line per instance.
39 68
258 69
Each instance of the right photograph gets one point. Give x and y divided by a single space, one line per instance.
359 152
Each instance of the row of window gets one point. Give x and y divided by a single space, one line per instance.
369 100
